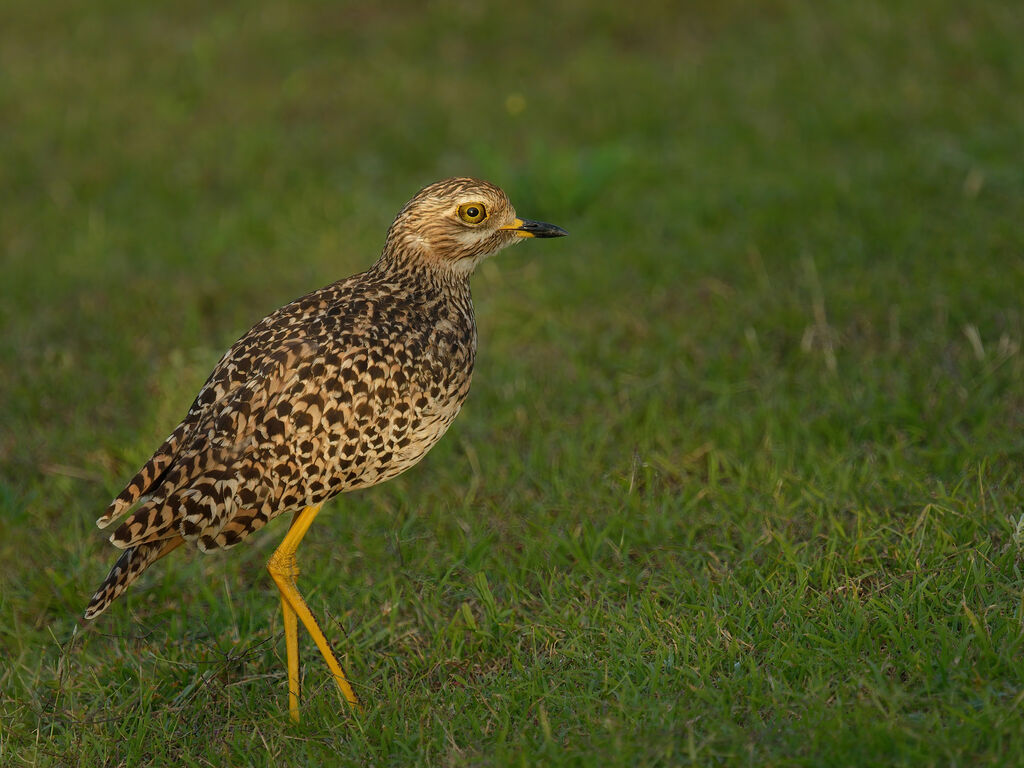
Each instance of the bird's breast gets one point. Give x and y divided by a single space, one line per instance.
420 381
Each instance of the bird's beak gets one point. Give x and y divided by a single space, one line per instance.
527 228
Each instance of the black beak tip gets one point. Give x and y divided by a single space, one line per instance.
541 229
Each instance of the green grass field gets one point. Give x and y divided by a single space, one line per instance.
741 478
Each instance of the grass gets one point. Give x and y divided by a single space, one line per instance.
739 482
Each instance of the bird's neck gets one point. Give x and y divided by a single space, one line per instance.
412 264
439 298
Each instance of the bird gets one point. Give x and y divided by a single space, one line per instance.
339 390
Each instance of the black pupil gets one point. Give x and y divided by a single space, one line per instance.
472 212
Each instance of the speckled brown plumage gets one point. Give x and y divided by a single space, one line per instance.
341 389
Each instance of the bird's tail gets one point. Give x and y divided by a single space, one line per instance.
133 561
146 479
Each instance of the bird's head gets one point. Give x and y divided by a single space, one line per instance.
456 223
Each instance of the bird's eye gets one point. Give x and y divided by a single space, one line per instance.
472 213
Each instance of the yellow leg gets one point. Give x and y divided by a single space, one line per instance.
283 570
291 644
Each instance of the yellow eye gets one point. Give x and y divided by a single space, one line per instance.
472 213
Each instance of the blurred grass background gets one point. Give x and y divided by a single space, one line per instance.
739 481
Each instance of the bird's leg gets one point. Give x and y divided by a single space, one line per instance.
291 644
283 570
